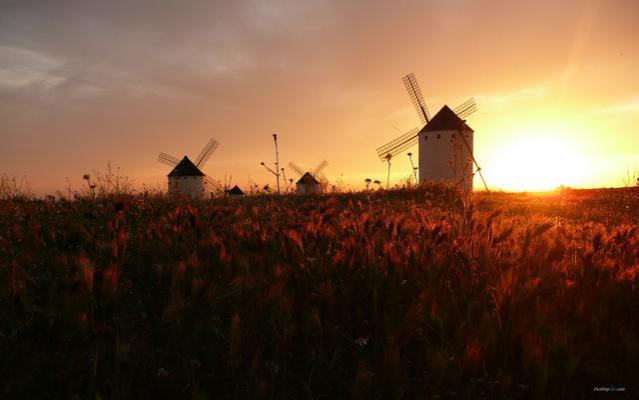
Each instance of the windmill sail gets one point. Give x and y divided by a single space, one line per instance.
215 185
398 145
466 108
206 153
319 168
168 159
296 168
415 93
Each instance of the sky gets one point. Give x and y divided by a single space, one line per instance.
87 83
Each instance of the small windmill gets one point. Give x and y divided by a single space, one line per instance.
235 191
187 176
445 141
310 181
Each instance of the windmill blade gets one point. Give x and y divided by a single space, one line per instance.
213 184
168 159
416 97
398 145
466 108
296 168
206 152
319 168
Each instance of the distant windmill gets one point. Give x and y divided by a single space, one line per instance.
187 177
445 142
235 191
310 181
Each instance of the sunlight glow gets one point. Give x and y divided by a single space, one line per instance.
540 159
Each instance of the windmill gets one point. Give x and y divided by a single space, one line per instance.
235 191
187 177
310 181
445 141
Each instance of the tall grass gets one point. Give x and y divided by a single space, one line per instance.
13 188
388 295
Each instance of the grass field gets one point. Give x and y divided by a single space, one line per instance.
388 295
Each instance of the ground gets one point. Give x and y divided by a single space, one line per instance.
412 293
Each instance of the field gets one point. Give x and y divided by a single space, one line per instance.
400 294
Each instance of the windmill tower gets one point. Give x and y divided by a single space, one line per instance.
187 176
310 181
445 142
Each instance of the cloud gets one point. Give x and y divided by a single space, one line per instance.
630 105
501 100
20 67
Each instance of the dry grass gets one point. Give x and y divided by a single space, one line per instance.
389 295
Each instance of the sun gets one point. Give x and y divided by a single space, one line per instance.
540 158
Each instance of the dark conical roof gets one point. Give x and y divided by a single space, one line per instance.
186 168
446 120
235 190
308 179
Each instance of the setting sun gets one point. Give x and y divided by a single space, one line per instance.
541 158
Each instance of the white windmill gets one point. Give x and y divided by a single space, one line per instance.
310 181
187 177
445 142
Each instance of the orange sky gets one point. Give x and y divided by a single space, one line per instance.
83 83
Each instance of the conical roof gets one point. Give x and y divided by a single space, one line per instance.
186 168
235 190
308 179
446 120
